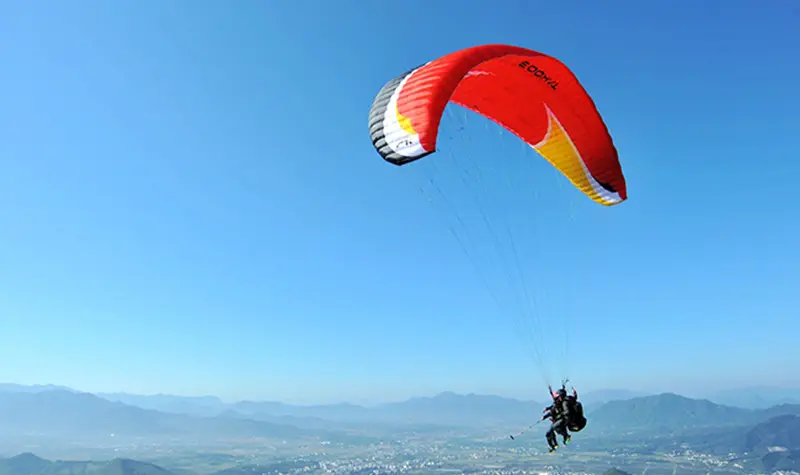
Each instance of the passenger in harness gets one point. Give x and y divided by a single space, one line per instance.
576 421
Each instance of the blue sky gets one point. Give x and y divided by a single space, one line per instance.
190 203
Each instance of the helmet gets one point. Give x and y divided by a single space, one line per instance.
562 393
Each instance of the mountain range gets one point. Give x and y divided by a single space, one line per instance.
748 398
60 410
770 436
65 413
30 464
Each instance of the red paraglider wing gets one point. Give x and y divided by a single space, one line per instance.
531 94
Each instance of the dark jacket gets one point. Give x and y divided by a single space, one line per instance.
558 410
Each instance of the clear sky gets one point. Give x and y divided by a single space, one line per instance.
190 202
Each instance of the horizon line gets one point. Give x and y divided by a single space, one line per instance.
634 394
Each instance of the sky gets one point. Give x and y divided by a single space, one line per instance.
190 202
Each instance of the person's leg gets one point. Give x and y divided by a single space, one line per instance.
551 438
560 427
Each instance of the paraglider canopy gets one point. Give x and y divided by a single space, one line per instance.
531 94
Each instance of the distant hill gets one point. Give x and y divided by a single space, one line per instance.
615 471
774 443
671 412
664 412
197 406
35 388
63 413
779 410
781 432
757 397
30 464
454 409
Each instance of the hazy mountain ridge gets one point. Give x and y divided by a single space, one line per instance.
33 388
667 412
446 408
757 397
193 405
61 412
30 464
672 413
746 398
